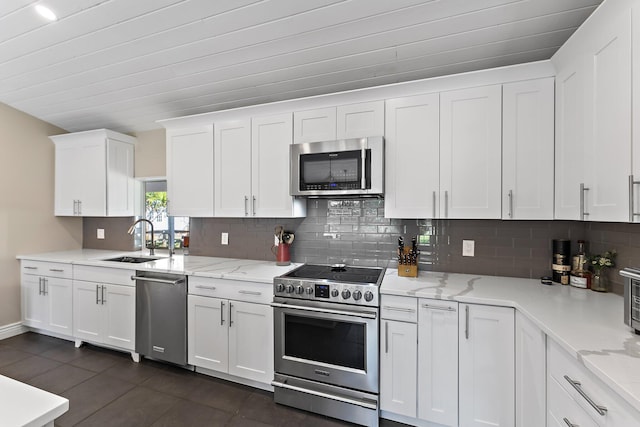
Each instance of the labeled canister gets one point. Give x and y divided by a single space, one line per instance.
561 262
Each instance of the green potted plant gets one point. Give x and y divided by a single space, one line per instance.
600 264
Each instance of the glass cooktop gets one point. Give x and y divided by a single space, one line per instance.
337 273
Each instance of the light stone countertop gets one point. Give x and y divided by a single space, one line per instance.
589 325
222 268
24 405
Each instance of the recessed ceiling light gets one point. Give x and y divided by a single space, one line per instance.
46 13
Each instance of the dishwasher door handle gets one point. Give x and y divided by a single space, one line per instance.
163 281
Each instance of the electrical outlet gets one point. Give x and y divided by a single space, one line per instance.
224 239
468 247
100 233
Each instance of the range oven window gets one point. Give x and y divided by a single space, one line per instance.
322 340
334 171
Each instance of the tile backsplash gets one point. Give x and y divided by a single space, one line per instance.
356 232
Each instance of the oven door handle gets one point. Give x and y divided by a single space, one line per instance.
365 314
362 403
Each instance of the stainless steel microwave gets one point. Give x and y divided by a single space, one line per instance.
338 168
632 297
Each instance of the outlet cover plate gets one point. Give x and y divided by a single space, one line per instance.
224 239
468 247
100 233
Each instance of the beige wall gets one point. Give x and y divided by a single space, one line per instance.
27 223
151 154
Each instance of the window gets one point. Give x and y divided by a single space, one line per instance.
166 228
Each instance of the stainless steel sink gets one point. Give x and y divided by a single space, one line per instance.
131 259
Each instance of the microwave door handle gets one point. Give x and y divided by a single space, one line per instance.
363 178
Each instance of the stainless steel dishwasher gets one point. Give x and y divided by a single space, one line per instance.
161 316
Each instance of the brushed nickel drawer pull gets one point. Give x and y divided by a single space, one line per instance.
602 410
437 307
401 309
249 292
569 423
211 288
56 270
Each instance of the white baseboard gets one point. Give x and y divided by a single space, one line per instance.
12 329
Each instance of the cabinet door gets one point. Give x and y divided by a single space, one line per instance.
67 188
412 142
251 341
527 149
232 142
119 314
438 362
360 120
80 178
570 133
92 170
608 141
208 342
120 182
59 297
471 153
34 303
398 367
87 313
314 125
486 366
531 371
190 171
270 141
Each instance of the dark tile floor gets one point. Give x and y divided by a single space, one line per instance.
105 388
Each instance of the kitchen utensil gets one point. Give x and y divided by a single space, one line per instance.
278 233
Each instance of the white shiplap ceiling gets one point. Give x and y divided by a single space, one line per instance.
123 64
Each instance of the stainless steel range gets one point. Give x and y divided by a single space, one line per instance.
326 341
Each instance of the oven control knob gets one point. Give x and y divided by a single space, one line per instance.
310 290
368 296
335 293
289 289
280 287
357 295
346 294
299 289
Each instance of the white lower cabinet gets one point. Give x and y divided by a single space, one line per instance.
576 397
398 355
104 311
446 364
438 361
47 297
486 366
231 336
531 371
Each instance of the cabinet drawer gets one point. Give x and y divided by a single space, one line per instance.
399 308
231 289
562 410
116 276
574 378
50 269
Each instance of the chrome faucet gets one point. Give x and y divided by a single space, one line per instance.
133 228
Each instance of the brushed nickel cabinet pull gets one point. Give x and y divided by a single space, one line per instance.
602 410
222 304
437 307
386 337
230 310
466 322
510 195
583 190
246 209
569 423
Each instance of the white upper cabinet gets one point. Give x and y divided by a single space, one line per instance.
527 149
94 174
608 140
471 153
252 168
232 168
412 157
342 122
190 171
360 120
270 140
593 118
314 125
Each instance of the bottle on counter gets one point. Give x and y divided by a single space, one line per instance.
580 275
561 262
